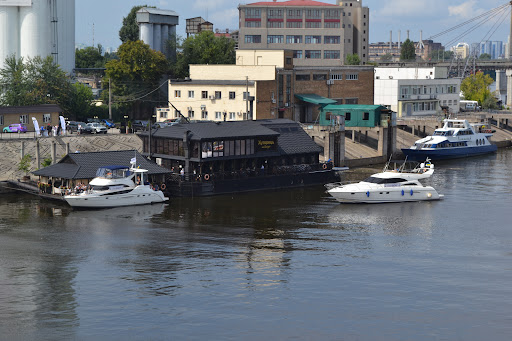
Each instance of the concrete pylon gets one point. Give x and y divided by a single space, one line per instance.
509 88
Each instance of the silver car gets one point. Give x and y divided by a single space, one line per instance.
97 128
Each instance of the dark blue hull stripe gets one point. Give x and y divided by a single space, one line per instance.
447 153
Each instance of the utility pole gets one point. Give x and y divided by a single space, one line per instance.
110 98
510 36
247 97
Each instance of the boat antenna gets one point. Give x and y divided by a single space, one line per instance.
401 169
386 166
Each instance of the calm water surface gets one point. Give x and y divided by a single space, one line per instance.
276 265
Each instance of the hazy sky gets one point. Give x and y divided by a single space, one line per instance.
432 16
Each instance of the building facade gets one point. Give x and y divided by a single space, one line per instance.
45 114
417 91
270 82
319 34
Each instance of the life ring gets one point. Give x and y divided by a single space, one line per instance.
324 166
207 177
163 186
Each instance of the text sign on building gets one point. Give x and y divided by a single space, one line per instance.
264 145
15 2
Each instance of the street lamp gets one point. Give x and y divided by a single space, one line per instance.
126 123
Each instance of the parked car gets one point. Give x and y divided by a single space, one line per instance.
15 128
108 123
139 125
160 125
93 120
97 128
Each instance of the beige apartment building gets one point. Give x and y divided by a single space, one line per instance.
318 33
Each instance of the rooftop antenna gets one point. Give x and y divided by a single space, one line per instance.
93 34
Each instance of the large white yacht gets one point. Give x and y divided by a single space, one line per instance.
457 138
116 186
397 184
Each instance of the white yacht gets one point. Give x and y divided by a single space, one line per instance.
397 184
116 186
457 138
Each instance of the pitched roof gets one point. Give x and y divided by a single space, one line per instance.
85 165
31 109
292 3
354 107
214 130
292 139
315 99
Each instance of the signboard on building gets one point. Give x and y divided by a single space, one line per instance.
15 2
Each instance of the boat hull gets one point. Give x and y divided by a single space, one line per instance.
126 199
447 153
385 195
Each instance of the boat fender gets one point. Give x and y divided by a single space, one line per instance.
207 177
403 192
324 166
163 186
368 194
412 192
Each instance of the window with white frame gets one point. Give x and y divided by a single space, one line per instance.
163 114
218 95
204 94
204 115
177 93
352 76
218 115
23 119
47 118
191 113
294 39
275 39
191 94
336 76
232 95
232 115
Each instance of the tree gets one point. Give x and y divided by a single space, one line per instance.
203 48
386 57
408 51
476 87
24 164
352 59
130 30
89 57
485 56
135 75
490 103
15 83
80 101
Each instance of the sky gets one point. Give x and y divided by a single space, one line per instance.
104 18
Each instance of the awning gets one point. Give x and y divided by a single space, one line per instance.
315 99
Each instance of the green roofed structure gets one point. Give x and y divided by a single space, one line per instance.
368 116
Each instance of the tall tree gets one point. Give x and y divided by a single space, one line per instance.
80 102
203 48
408 51
136 74
89 57
352 59
13 77
50 82
476 87
130 30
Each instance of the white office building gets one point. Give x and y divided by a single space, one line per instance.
416 91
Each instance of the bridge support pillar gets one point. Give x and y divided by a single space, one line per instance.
509 88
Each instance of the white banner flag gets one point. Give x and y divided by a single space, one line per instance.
36 127
63 125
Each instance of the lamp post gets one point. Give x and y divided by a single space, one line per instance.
126 123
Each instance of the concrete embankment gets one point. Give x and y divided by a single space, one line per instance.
11 150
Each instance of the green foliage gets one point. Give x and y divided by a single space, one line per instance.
485 56
408 51
386 57
15 80
46 162
134 76
490 103
24 164
203 48
130 30
80 101
89 57
352 59
476 87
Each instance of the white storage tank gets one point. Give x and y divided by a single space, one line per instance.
35 29
9 33
66 34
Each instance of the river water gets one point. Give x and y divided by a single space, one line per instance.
276 265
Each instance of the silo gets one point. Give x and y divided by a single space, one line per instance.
66 34
157 37
146 34
165 38
9 33
35 29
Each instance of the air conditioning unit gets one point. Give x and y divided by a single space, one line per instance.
212 97
330 81
239 113
287 104
203 107
158 161
189 108
273 100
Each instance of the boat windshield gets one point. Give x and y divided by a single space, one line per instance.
375 180
113 172
443 133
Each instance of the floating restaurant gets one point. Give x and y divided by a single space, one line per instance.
208 158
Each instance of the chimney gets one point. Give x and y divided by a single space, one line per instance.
390 40
399 39
407 34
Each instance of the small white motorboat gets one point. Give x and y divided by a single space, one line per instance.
116 186
397 184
